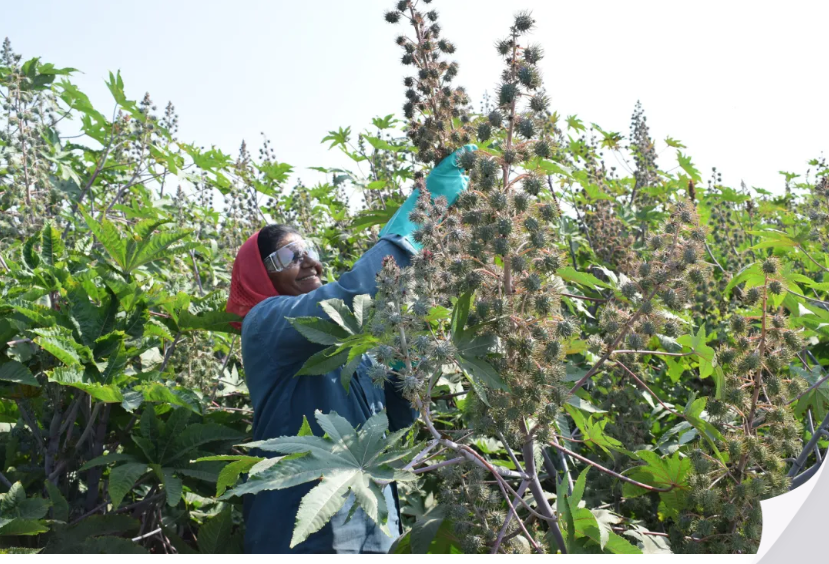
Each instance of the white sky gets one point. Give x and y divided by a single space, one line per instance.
742 84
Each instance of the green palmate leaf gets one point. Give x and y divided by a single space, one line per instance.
172 486
578 488
72 376
219 321
21 527
61 348
694 415
109 236
368 218
751 274
482 372
230 473
669 472
347 461
362 308
686 165
158 392
703 352
214 535
593 431
31 258
174 426
17 373
122 478
319 330
349 369
156 247
327 499
92 321
60 507
200 434
305 430
460 313
569 274
341 315
106 459
52 247
324 362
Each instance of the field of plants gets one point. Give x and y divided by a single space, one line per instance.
609 350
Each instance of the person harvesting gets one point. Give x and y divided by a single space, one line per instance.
276 276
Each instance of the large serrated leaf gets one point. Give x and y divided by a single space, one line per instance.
319 330
122 478
322 503
323 362
214 535
17 373
341 315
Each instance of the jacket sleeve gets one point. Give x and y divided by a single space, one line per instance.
270 316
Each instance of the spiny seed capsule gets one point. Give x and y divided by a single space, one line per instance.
565 328
529 77
549 263
518 263
543 305
498 201
510 156
538 240
392 17
501 246
504 226
542 149
750 362
531 224
526 128
507 93
727 356
548 212
532 185
776 287
738 324
769 266
532 283
629 290
495 118
635 341
752 295
467 200
503 46
467 160
792 340
521 202
539 102
524 21
484 131
487 167
552 350
533 54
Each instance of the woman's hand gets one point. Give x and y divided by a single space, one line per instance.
447 179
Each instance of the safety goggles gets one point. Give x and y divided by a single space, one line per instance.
293 252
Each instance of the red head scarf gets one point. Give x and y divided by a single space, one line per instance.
249 282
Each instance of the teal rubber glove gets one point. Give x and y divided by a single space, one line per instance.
446 180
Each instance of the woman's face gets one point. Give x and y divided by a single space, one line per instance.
299 277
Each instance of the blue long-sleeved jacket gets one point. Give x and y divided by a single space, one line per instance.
273 353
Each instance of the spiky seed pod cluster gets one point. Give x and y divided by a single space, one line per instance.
643 149
758 430
438 112
498 245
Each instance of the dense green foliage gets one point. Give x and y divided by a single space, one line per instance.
605 359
